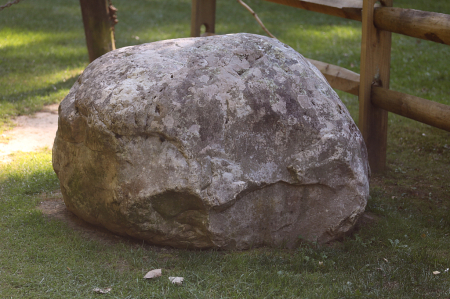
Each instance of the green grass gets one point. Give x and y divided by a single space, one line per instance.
392 258
42 51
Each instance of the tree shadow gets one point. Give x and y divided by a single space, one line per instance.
46 91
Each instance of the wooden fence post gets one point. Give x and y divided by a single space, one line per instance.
97 27
203 13
375 69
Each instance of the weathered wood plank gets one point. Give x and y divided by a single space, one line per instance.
375 67
338 77
422 110
349 9
203 13
426 25
97 27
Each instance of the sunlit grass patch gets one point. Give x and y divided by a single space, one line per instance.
30 173
326 33
36 68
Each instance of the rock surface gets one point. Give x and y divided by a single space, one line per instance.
226 142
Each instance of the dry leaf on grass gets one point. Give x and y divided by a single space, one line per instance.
176 280
153 274
101 291
436 272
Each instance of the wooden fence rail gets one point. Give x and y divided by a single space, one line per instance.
348 9
422 110
339 77
425 25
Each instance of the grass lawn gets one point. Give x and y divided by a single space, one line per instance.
42 52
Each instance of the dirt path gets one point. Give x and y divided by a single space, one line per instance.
31 133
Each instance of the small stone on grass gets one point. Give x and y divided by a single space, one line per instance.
176 280
153 274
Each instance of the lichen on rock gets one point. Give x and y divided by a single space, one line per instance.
228 141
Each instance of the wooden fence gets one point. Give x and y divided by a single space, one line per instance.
378 19
372 85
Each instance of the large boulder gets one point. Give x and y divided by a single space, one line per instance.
225 142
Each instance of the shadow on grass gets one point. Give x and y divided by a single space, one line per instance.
40 92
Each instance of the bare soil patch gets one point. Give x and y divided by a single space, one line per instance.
52 206
30 133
